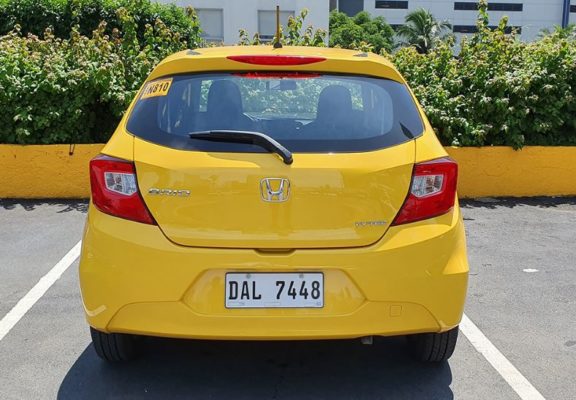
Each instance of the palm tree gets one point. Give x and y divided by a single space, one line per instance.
564 33
422 30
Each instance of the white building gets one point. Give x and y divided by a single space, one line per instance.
528 16
221 20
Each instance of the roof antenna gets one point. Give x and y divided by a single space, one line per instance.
277 44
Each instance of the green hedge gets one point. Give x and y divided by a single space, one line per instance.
76 89
73 87
35 16
360 31
497 91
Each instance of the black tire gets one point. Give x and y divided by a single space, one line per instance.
433 347
114 347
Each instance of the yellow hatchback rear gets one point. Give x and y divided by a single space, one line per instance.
260 193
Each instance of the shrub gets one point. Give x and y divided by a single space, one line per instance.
360 32
498 90
55 90
294 35
34 16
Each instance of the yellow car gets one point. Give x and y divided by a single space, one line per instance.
274 194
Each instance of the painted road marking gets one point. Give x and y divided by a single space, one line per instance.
515 379
26 302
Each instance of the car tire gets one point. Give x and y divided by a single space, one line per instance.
114 347
433 347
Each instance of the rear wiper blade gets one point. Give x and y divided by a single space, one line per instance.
248 137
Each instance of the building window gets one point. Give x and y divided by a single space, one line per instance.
467 6
464 29
396 26
474 29
212 23
392 4
351 7
267 23
573 9
333 5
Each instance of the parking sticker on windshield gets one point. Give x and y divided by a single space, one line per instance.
156 88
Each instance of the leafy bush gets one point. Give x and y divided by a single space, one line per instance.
34 16
75 90
294 36
360 32
498 90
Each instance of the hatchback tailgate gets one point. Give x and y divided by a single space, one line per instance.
334 200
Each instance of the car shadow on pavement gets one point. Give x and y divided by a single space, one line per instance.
32 204
173 369
511 202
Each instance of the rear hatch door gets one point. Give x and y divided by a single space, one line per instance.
333 200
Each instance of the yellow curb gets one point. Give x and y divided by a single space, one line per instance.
49 171
503 171
46 171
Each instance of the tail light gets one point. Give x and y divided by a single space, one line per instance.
115 189
276 60
277 75
432 191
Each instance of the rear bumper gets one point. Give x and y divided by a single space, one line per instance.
134 280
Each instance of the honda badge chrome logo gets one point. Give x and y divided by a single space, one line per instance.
275 190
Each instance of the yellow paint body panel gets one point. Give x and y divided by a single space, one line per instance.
167 280
135 280
330 192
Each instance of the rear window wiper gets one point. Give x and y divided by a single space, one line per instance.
247 137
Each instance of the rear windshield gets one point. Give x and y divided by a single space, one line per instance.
306 113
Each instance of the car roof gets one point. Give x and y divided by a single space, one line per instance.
214 59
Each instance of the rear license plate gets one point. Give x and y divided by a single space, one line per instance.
272 290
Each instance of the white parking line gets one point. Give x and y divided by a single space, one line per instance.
515 379
26 302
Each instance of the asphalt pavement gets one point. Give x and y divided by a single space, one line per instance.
522 296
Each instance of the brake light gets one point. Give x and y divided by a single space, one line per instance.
432 191
276 60
115 189
277 75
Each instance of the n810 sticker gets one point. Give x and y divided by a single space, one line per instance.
156 88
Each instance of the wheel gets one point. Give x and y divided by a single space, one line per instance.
433 347
114 347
